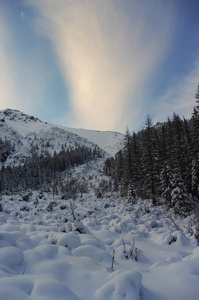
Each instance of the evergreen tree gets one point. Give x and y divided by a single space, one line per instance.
119 166
169 140
197 98
195 133
148 160
179 197
195 178
166 177
136 165
127 152
195 147
177 145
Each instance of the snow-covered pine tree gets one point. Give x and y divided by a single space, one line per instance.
195 178
195 147
195 121
188 155
131 193
179 198
166 182
177 145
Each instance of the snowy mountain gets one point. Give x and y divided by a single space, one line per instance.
28 134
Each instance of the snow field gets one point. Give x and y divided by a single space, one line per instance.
47 255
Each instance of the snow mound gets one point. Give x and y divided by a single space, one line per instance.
11 257
51 288
69 240
93 252
124 285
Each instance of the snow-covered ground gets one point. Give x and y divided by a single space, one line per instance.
45 254
113 250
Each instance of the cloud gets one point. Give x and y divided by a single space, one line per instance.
6 83
23 69
107 51
25 18
180 97
22 14
21 82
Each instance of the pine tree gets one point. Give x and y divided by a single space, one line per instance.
127 176
187 155
195 178
195 133
148 160
195 147
178 146
197 98
136 165
169 140
119 166
166 177
179 197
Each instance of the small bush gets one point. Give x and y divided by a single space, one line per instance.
134 252
51 205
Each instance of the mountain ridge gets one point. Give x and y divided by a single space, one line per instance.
26 133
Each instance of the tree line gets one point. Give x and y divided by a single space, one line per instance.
38 172
160 161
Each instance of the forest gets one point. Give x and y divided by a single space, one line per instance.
159 162
41 171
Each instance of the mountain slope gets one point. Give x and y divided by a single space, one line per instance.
109 141
28 135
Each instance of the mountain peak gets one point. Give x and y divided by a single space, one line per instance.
13 115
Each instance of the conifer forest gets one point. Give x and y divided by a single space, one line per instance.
160 161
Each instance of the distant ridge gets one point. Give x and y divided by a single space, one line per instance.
27 133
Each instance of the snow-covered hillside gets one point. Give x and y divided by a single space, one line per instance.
111 142
27 133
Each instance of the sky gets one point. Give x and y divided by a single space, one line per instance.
99 64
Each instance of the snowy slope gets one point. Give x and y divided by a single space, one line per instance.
27 133
111 142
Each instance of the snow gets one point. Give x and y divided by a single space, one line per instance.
111 142
122 285
41 257
113 250
25 131
11 257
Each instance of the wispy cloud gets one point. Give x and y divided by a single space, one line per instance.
22 72
6 83
180 97
23 16
107 51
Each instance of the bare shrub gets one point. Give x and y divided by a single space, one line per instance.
134 252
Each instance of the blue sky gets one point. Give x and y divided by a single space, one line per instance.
99 64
